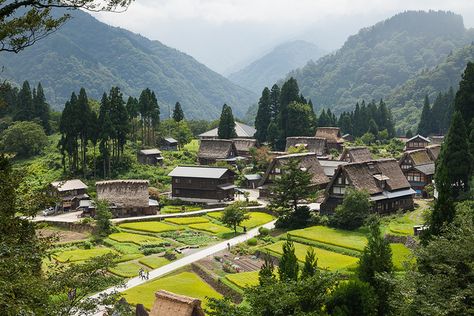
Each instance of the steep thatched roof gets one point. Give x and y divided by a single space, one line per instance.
69 185
124 193
242 130
433 151
419 157
332 134
243 145
308 161
170 304
356 154
216 149
311 144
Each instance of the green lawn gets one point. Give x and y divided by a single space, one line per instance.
187 220
243 279
326 259
400 255
256 218
81 254
167 209
185 283
211 228
331 236
153 227
154 262
135 238
126 269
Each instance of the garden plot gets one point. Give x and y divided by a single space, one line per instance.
331 236
243 279
211 228
152 227
135 238
187 220
81 254
154 262
190 237
126 269
326 259
184 283
171 209
255 218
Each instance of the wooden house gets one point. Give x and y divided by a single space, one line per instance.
252 180
330 166
436 139
243 146
316 145
333 137
150 157
69 193
213 150
416 142
242 130
127 197
418 166
307 161
170 304
202 184
169 143
356 154
383 179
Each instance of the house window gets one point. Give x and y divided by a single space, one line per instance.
405 167
413 176
338 190
190 181
339 180
176 180
277 170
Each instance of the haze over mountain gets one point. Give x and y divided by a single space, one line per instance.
90 54
380 59
266 70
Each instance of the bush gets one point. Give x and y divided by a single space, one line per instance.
252 242
87 221
353 211
170 255
87 245
24 138
352 298
263 231
152 250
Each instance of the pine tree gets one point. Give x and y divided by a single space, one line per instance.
288 268
465 95
226 129
132 111
178 114
274 101
300 120
310 264
263 118
373 128
41 108
425 126
24 111
265 275
289 92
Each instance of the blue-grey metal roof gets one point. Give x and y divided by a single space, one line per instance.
198 172
252 177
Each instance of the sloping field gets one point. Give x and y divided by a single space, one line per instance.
332 236
152 227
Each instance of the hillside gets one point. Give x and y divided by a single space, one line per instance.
266 70
380 59
90 54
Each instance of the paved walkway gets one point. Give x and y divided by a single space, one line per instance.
186 260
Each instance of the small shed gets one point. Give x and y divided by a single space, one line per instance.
150 157
169 143
252 180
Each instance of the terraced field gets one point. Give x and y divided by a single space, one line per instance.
152 227
187 220
126 269
135 238
256 218
211 228
81 254
243 279
331 236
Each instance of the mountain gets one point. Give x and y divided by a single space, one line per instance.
380 59
407 100
90 54
274 65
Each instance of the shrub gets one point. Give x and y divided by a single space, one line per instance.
263 231
87 221
152 250
353 211
352 298
252 242
24 138
170 255
87 245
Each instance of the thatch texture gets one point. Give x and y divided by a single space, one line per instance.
331 134
243 145
216 149
356 154
311 144
418 157
433 151
170 304
124 193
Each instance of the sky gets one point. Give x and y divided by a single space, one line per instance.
226 35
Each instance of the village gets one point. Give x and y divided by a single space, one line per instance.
177 244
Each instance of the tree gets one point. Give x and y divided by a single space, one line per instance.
265 275
41 108
24 138
352 298
288 267
233 216
226 129
290 92
274 101
310 264
300 120
376 263
373 128
178 114
24 110
264 115
426 120
465 95
150 116
354 210
103 217
25 22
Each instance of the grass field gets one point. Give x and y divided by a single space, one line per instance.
403 224
332 236
326 259
167 209
187 220
400 255
154 262
153 227
185 283
243 279
135 238
129 256
126 269
81 254
211 228
256 218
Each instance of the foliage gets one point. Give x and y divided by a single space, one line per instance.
266 275
288 267
252 242
310 264
353 211
435 120
352 298
261 158
103 217
178 114
264 116
23 138
233 216
178 130
226 129
189 237
263 231
152 227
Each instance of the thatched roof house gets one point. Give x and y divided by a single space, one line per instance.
311 144
212 150
242 130
332 135
243 146
433 151
356 154
170 304
382 179
307 161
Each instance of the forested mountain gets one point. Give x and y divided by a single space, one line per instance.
406 101
380 59
274 65
90 54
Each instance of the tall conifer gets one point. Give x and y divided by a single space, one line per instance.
263 118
